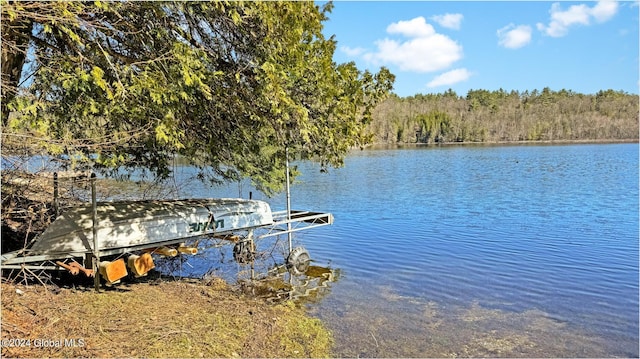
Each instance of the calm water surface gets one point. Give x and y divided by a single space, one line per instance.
477 251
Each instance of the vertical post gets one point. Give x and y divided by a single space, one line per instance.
252 256
96 251
286 154
56 206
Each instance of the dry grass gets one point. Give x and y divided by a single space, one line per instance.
161 319
184 319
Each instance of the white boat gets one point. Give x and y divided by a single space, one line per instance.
129 226
123 226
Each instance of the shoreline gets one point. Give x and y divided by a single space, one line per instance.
500 143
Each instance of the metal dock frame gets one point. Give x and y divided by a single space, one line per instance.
300 220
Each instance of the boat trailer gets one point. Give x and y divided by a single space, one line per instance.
80 237
139 259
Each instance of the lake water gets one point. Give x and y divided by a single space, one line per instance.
518 251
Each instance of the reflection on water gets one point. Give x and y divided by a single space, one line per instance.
266 276
279 284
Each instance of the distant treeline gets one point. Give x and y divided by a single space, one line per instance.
495 116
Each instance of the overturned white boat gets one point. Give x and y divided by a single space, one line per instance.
127 226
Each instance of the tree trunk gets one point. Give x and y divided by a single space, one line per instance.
15 42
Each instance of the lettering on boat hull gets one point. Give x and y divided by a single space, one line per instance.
210 225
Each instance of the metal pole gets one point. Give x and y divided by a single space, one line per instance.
56 206
96 252
286 152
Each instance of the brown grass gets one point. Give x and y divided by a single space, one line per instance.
160 319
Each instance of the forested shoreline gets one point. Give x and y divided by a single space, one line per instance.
499 116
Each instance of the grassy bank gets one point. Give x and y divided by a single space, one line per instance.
185 319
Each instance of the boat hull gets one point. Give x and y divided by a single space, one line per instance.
144 223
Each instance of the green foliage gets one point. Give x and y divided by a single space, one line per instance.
227 85
434 126
494 116
479 99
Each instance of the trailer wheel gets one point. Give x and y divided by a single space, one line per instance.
298 261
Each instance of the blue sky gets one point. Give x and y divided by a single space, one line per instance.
584 46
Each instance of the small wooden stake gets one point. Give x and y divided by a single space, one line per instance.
187 250
166 251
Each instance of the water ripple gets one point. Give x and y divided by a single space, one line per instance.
551 228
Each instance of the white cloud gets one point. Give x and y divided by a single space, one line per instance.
424 51
352 51
417 27
562 20
450 78
513 37
604 10
450 21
